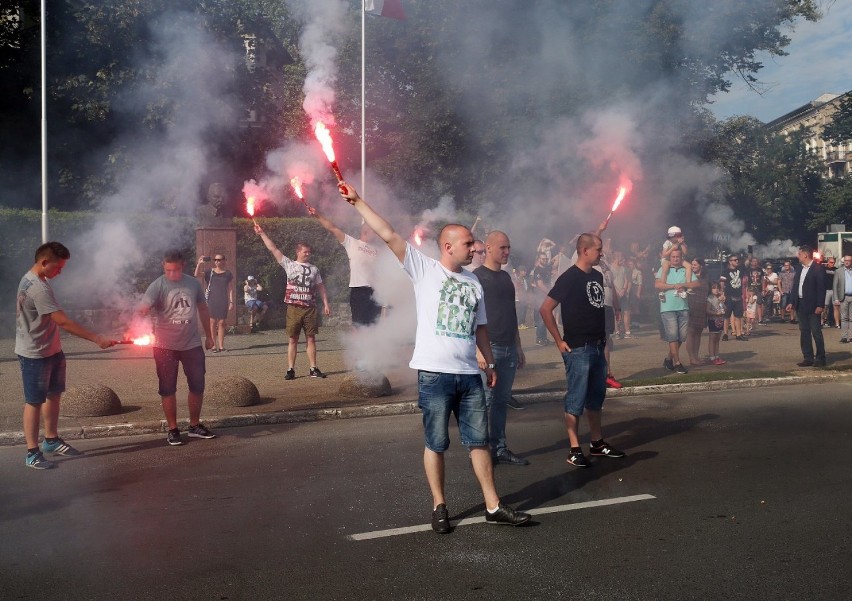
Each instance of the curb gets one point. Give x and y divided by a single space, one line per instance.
403 408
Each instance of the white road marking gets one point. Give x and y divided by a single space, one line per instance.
480 520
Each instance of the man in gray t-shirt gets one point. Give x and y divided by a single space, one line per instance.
176 302
38 318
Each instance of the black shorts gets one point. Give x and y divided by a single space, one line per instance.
365 310
733 306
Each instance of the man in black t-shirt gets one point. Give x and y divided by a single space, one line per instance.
580 292
499 293
732 277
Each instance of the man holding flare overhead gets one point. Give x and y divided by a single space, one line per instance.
450 327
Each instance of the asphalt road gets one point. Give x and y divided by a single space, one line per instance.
750 501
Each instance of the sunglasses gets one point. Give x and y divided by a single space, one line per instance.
218 259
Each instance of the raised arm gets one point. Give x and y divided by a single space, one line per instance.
377 223
335 231
270 246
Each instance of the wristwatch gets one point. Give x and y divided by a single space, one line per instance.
490 366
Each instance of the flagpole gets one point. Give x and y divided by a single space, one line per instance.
363 98
43 122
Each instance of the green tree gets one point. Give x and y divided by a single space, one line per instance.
839 130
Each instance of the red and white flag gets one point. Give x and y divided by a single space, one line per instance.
385 8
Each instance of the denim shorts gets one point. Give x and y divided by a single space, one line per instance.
42 377
585 373
675 325
462 395
167 369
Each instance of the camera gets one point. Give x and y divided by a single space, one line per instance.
205 258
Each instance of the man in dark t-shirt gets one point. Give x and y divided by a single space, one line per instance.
580 291
499 293
732 277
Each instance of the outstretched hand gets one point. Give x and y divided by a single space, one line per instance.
257 229
348 193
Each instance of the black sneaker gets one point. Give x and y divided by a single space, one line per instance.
724 337
578 460
200 431
668 364
316 373
679 368
174 437
290 375
605 450
509 458
506 515
514 403
742 338
441 519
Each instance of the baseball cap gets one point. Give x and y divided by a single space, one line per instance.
251 277
674 230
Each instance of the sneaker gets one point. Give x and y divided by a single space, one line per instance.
679 368
506 515
316 373
441 519
719 361
514 403
805 363
724 337
605 450
844 340
290 375
742 338
611 382
174 438
628 335
668 364
200 431
60 447
38 462
509 458
578 460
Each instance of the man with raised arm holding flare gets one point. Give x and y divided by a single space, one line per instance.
450 327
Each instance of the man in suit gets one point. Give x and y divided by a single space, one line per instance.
807 297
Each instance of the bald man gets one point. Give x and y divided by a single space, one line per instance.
451 326
505 341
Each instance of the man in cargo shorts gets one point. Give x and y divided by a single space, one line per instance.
304 282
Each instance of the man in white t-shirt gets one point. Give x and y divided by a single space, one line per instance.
362 266
450 327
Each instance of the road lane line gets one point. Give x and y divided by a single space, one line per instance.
480 520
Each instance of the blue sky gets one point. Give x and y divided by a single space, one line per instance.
819 62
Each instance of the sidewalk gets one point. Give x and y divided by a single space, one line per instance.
261 357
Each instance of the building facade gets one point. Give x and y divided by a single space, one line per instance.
813 117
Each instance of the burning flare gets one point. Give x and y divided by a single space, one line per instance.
324 137
623 189
250 206
145 340
418 236
297 190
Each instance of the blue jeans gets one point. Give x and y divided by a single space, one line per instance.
42 377
809 327
585 373
441 395
540 328
497 398
675 325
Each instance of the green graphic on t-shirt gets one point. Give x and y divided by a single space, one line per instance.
457 309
